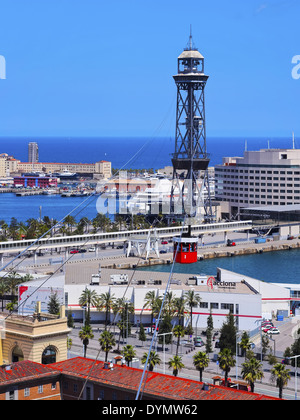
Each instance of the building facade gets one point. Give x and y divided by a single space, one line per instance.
40 338
261 178
33 152
35 182
102 169
27 381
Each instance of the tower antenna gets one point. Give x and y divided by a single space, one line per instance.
191 38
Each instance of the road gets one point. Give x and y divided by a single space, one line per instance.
209 242
265 386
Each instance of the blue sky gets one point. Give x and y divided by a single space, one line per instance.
104 68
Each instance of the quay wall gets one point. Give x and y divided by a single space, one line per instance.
209 254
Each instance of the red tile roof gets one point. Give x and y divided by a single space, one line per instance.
157 385
24 370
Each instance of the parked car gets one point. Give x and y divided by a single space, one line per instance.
198 342
82 251
163 251
74 251
273 330
164 242
267 328
92 249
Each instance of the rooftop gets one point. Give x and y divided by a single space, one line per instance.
158 386
24 371
75 274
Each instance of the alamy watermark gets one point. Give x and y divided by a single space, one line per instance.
296 68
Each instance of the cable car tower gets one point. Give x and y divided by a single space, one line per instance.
190 160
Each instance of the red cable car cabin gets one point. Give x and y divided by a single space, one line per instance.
185 250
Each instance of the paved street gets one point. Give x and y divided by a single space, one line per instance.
282 340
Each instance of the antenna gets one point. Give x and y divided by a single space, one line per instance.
191 38
245 145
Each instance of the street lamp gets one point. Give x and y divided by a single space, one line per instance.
296 365
164 334
236 351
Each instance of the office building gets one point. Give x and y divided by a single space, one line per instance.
268 177
33 152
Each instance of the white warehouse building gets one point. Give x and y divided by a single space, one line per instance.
250 300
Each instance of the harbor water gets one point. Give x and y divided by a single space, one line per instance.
54 206
271 267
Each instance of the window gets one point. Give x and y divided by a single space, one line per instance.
49 355
88 393
40 389
11 395
214 305
26 392
228 306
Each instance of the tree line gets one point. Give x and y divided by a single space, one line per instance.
34 228
174 313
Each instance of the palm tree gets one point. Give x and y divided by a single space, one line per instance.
150 299
129 353
179 309
252 371
87 299
13 279
226 362
282 375
169 304
191 300
154 359
86 334
124 324
106 301
107 341
178 332
176 364
201 361
70 222
245 343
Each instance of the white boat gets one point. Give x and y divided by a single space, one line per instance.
50 191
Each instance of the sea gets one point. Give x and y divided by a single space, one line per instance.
125 153
143 154
271 267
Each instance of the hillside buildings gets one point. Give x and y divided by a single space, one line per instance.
8 165
268 177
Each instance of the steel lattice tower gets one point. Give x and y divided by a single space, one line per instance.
190 160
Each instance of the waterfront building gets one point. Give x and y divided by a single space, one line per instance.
33 152
100 169
8 165
248 299
35 182
268 177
